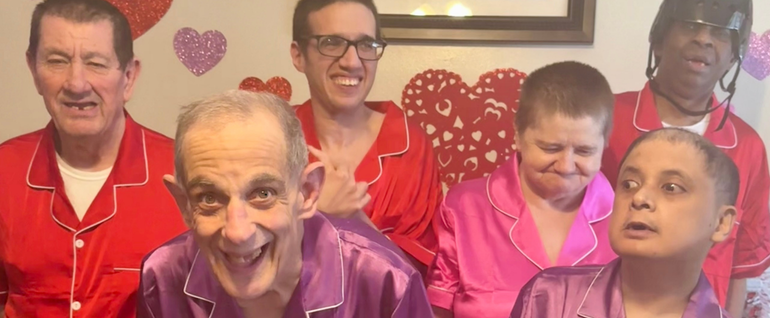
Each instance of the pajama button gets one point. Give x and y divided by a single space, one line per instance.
76 305
79 243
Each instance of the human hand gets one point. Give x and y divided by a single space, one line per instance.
341 195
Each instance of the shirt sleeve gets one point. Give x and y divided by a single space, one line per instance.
443 275
752 246
522 308
414 303
421 193
143 300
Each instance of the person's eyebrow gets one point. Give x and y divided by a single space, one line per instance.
91 55
267 180
675 173
54 51
200 182
630 170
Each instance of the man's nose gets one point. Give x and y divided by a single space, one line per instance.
238 227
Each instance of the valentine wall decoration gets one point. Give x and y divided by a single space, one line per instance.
757 61
276 85
142 15
199 52
471 127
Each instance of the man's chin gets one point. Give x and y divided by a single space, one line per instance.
347 103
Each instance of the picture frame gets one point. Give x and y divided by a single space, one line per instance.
577 27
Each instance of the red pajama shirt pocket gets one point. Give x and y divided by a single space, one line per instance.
121 281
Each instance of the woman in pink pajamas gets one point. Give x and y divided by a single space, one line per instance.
546 206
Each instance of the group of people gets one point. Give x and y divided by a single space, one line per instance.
641 204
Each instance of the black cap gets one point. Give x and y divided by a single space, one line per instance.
736 15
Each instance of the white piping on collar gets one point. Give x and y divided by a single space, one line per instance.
588 291
596 239
380 157
425 249
636 111
74 236
307 312
753 265
342 279
189 273
510 232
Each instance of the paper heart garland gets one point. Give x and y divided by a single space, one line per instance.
471 127
199 52
142 15
276 85
757 61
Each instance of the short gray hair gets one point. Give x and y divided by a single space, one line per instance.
239 105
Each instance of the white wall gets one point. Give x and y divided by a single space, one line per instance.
259 33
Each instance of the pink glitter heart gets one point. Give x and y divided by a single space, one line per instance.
757 61
199 53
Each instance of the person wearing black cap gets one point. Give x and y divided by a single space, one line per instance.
695 44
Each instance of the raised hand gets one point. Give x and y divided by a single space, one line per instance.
341 195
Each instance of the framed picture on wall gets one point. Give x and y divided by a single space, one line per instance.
488 21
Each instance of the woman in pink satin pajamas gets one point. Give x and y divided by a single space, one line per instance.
548 205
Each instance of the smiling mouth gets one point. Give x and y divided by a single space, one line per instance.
697 61
81 106
346 81
246 260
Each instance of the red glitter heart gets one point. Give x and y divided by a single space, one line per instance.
276 85
142 15
471 128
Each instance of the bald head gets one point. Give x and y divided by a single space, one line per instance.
216 112
719 167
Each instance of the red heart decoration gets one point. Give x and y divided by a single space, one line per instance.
276 85
471 128
142 15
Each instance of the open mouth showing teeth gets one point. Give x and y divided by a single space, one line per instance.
346 81
638 226
697 61
80 106
246 260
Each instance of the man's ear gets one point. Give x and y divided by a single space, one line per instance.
32 65
131 73
725 222
311 184
296 57
179 196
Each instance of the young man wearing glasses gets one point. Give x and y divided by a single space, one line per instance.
379 167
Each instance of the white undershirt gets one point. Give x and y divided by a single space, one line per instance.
81 186
698 128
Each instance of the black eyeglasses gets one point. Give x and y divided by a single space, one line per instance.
335 46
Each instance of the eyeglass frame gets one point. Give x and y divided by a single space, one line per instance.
347 47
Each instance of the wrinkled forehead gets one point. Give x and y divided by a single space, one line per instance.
229 147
